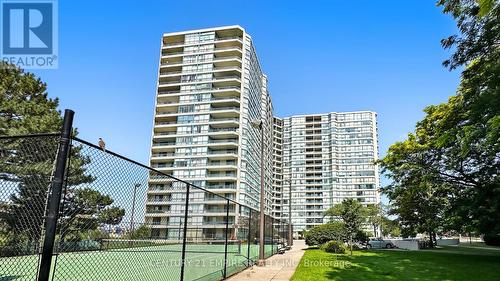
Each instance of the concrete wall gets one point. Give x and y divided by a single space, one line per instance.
406 244
445 242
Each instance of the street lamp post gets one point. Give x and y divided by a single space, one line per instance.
133 208
290 235
259 125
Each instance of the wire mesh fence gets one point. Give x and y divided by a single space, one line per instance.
26 166
119 220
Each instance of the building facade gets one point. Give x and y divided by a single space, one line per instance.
210 89
325 158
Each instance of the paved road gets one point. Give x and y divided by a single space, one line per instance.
277 268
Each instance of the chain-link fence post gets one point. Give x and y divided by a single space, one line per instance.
225 244
183 258
249 235
272 235
55 197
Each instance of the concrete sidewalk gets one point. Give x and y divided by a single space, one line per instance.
277 268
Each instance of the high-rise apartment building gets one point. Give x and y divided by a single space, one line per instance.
325 158
210 89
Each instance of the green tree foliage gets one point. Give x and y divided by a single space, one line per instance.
27 163
445 175
352 214
361 236
321 234
391 227
25 107
374 213
85 210
142 232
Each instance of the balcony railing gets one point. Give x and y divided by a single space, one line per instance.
201 110
199 90
201 51
221 186
200 60
215 79
215 152
202 42
217 175
197 122
193 165
200 100
201 70
194 143
213 130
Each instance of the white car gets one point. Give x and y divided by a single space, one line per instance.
380 243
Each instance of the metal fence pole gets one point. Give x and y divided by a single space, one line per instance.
290 230
272 236
249 236
55 197
225 244
183 258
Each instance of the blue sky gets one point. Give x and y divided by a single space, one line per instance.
320 56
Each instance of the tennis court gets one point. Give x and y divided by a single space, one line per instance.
204 261
120 220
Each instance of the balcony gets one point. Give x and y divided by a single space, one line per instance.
213 109
212 120
214 153
214 89
218 61
212 79
201 51
218 131
221 175
196 100
219 39
221 186
203 70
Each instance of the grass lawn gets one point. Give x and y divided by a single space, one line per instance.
447 263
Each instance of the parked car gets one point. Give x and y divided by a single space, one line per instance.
267 241
380 243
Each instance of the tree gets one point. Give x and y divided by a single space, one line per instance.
26 164
445 174
417 193
352 214
85 210
374 215
323 233
390 227
142 232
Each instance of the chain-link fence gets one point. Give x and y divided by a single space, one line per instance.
118 219
26 170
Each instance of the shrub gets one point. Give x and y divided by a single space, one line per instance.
336 247
355 247
492 239
321 234
361 237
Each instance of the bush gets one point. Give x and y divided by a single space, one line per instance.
361 237
336 247
356 247
492 239
321 234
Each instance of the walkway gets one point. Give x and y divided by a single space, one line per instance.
278 267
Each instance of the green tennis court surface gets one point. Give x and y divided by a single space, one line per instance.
146 262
